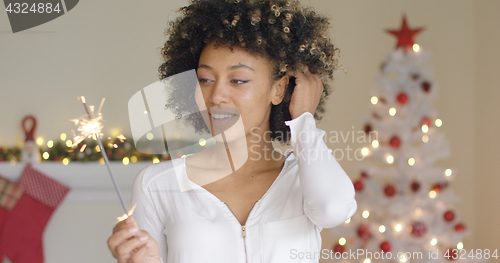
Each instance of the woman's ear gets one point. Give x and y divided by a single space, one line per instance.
278 90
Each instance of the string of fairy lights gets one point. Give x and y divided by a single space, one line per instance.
118 149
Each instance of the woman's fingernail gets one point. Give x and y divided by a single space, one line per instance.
143 238
133 230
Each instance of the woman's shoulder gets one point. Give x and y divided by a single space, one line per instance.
164 172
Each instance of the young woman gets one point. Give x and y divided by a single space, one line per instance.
262 69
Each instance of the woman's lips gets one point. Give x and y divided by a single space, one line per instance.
222 122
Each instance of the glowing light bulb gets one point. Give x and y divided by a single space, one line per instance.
65 161
418 211
403 259
411 161
416 47
367 261
460 245
145 112
150 136
374 100
45 155
125 160
156 160
425 138
438 122
342 241
381 229
348 220
39 141
398 227
434 241
63 136
448 172
97 148
432 194
365 214
425 128
375 144
389 159
202 142
101 161
69 143
392 111
50 144
133 159
365 151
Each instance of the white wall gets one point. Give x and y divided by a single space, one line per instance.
111 49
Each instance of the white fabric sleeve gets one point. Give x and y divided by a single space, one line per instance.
328 191
146 214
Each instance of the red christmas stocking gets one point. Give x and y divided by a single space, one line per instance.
9 196
22 234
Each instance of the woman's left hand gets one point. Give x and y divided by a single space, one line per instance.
306 94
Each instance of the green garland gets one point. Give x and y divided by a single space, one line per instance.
116 150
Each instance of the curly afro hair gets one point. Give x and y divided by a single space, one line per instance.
291 36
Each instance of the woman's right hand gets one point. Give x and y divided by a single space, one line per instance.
129 244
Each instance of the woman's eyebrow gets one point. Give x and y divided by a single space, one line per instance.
241 66
230 68
205 66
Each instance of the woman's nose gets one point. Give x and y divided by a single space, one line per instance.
219 93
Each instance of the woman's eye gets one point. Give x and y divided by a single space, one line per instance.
239 81
203 80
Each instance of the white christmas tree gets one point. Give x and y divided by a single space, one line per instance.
404 204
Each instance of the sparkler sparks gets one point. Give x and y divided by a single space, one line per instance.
91 127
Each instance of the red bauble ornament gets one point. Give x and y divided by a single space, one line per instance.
368 128
426 121
415 186
358 185
395 142
56 159
402 98
389 190
437 187
426 86
452 253
364 231
385 246
449 216
364 175
418 229
338 248
459 227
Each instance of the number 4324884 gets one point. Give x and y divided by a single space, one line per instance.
24 8
473 253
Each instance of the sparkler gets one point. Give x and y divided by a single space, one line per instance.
91 127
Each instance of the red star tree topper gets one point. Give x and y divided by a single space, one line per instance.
405 35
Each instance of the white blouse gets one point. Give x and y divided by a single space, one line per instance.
191 225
